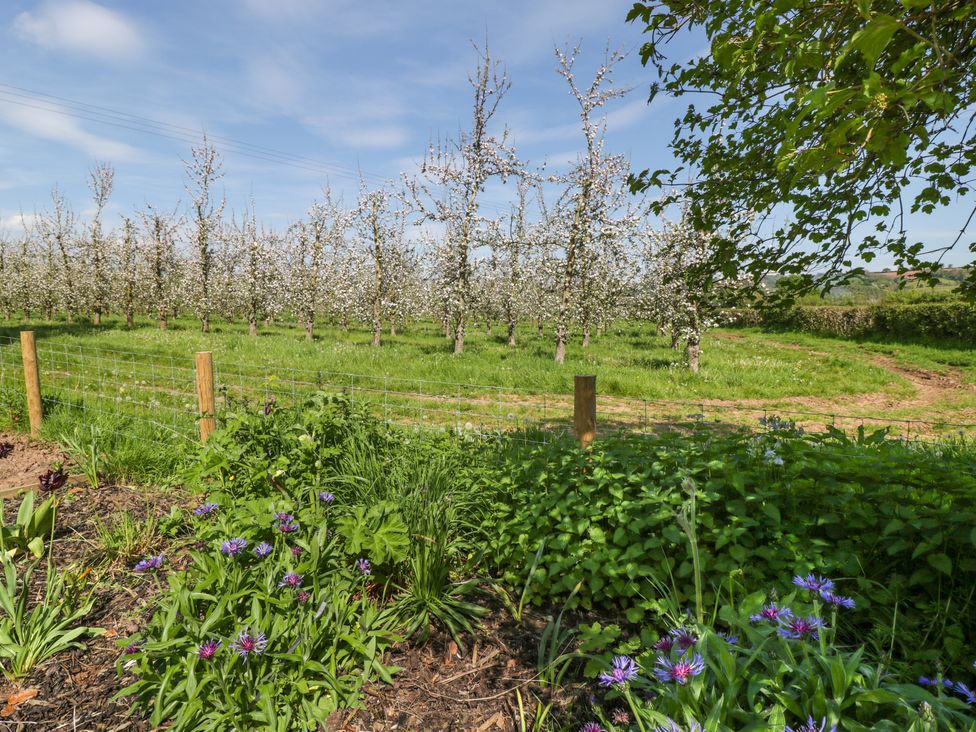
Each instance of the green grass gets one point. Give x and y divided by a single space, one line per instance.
630 361
137 386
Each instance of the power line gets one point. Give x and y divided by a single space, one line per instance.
33 99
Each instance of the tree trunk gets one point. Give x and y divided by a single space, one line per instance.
599 330
252 326
675 338
511 333
693 347
98 317
459 335
344 323
561 333
163 325
377 330
309 328
205 323
586 335
662 329
129 319
540 330
693 351
488 327
392 328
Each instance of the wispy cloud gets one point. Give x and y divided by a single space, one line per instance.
13 224
50 124
84 27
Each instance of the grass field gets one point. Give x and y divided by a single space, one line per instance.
782 373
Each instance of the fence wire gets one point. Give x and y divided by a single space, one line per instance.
152 396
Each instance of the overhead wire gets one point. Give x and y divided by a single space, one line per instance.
34 99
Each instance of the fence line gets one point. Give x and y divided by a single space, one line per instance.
177 396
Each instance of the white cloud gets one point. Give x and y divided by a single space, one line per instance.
628 114
50 124
84 27
12 224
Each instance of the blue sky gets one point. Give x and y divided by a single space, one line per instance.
357 86
351 85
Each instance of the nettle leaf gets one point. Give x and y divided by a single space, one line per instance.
941 562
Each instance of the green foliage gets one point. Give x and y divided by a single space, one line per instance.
32 526
754 677
29 634
83 447
896 518
848 128
126 537
389 500
954 321
377 532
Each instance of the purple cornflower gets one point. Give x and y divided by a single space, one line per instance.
364 567
296 551
263 549
144 565
923 681
591 727
772 613
132 648
287 527
291 579
247 643
731 638
814 583
800 627
206 509
303 596
684 638
326 497
208 649
965 692
269 406
839 600
679 671
283 518
233 547
664 644
812 726
622 670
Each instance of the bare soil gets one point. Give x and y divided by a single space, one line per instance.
28 460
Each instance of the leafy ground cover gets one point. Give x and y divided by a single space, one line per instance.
321 569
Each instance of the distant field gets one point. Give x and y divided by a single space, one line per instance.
778 373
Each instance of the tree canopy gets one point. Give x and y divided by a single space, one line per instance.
830 121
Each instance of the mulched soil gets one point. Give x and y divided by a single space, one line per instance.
73 690
439 688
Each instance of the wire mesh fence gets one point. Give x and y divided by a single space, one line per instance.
157 393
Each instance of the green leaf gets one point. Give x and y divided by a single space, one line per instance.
941 562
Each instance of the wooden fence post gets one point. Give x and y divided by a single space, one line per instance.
205 394
584 408
32 381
